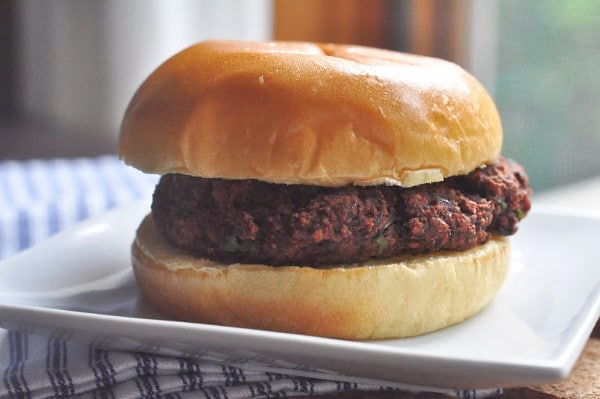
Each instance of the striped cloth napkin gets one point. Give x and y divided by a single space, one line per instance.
41 197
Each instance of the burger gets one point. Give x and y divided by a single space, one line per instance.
322 189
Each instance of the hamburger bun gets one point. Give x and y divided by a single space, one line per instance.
383 299
314 114
300 113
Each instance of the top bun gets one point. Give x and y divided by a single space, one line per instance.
303 113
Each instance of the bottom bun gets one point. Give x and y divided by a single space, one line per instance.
384 299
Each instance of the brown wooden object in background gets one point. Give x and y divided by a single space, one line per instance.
428 27
338 21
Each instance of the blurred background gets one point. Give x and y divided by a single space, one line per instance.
69 67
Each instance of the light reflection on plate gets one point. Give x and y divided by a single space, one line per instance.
79 283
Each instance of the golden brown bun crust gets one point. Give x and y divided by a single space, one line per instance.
391 299
303 113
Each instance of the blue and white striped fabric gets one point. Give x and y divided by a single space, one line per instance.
55 368
39 198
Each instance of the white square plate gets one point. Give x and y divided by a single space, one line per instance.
79 283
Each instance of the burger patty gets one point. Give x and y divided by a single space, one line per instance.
248 221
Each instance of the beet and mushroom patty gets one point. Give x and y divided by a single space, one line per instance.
248 221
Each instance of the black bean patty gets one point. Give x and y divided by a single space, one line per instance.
249 221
